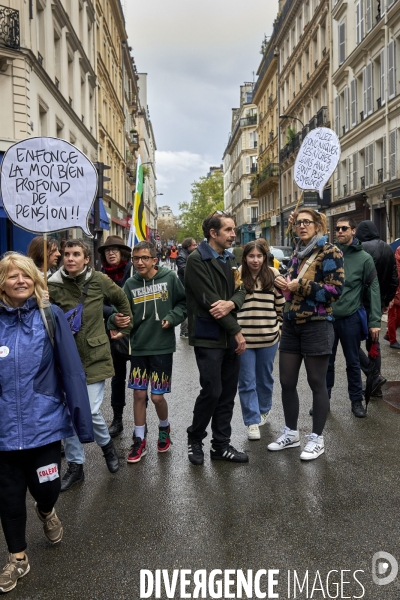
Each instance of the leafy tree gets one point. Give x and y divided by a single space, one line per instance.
207 197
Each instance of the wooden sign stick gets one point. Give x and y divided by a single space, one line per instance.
45 259
295 210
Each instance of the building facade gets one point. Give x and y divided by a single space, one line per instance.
366 98
240 167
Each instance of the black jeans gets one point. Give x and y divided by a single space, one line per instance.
118 382
219 372
19 472
348 332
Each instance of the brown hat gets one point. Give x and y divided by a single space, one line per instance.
114 240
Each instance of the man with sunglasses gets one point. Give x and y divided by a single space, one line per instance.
351 321
213 298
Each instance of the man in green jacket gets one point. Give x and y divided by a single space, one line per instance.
360 279
157 299
213 296
67 290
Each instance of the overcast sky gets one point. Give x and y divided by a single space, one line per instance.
196 54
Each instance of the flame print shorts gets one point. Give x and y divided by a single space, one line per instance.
156 370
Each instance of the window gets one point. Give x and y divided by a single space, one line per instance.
382 77
337 115
369 165
359 21
391 69
42 120
368 92
342 42
353 101
346 108
368 15
392 153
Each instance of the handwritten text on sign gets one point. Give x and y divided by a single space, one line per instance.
47 185
317 159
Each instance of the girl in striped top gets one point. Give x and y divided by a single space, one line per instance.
260 319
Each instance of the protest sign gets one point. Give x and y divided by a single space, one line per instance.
47 185
317 159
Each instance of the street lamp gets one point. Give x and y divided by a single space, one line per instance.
291 117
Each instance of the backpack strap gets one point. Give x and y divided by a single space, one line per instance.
84 292
307 263
49 322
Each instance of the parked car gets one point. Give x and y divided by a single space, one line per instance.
283 254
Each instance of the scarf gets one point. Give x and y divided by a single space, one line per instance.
303 251
115 272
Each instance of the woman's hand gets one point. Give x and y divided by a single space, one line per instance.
116 335
281 283
293 285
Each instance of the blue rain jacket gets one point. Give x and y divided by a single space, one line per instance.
43 393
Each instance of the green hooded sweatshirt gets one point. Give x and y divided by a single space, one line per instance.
358 266
152 301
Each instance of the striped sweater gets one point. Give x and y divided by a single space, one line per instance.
261 316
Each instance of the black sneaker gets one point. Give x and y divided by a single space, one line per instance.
116 426
111 457
74 474
378 383
358 410
195 452
228 453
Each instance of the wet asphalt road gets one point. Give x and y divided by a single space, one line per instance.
334 513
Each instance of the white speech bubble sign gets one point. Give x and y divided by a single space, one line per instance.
48 185
317 159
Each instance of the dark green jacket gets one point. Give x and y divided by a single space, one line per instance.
151 301
358 267
92 341
205 283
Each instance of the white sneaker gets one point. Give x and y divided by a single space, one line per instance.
264 418
253 432
289 439
314 447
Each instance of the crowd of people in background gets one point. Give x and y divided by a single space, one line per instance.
81 326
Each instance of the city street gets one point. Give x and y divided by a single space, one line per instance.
334 513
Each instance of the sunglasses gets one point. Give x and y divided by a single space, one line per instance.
342 228
219 212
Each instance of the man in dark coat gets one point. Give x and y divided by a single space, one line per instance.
385 264
213 299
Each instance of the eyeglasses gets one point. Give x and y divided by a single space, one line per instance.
305 222
113 249
137 259
342 228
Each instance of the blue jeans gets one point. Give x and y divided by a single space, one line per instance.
348 332
74 451
256 382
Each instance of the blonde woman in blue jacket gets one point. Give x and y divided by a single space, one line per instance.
43 399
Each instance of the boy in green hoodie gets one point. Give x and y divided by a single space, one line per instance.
157 300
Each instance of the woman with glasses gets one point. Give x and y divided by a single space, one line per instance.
116 263
314 280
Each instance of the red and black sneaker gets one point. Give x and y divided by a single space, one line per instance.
137 450
164 439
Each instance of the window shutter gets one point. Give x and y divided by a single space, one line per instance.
248 184
248 214
383 7
342 43
353 99
337 115
366 163
368 15
338 180
370 90
382 77
248 164
384 160
355 157
346 107
371 165
348 165
392 151
365 91
360 21
391 70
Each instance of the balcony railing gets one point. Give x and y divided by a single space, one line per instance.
304 131
344 129
271 170
261 148
271 136
362 181
270 100
324 52
315 64
254 220
253 168
361 116
313 123
132 100
9 27
322 116
345 189
380 175
379 103
297 141
40 59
